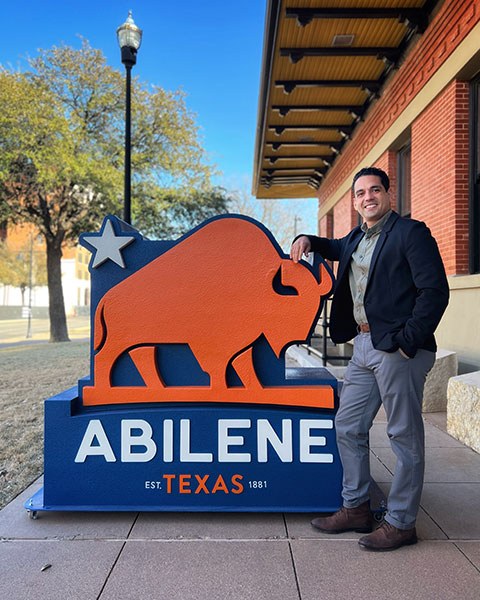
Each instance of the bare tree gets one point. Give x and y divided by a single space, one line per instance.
284 218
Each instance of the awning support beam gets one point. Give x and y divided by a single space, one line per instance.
412 17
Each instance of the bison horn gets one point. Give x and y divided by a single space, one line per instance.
326 282
296 276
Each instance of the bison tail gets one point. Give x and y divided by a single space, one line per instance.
99 327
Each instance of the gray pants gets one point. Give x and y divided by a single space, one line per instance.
373 378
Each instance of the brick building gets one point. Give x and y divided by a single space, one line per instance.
401 91
24 242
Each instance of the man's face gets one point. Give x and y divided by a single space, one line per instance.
370 199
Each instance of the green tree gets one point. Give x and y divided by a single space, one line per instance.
169 213
62 149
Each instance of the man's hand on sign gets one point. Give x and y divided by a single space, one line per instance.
300 247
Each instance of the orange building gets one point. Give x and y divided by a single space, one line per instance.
29 246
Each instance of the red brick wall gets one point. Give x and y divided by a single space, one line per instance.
451 25
345 217
440 159
439 138
325 226
388 163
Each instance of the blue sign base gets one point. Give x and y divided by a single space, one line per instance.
190 457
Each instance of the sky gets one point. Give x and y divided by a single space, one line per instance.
211 49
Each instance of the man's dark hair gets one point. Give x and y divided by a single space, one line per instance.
373 171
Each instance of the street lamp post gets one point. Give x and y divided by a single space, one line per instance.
296 220
129 39
30 285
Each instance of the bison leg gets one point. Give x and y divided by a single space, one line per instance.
243 365
102 367
145 361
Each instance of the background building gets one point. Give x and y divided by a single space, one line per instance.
391 83
27 249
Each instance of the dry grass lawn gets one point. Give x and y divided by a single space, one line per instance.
30 373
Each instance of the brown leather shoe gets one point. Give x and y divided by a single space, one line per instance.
388 537
357 519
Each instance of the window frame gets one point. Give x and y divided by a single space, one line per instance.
474 192
404 152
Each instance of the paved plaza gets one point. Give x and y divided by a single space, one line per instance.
242 556
252 556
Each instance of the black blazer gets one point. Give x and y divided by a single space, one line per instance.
407 290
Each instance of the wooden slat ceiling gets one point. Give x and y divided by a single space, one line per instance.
325 62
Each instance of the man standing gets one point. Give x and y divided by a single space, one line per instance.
390 295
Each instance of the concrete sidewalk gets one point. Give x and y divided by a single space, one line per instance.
13 331
140 556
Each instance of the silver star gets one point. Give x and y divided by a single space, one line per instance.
108 245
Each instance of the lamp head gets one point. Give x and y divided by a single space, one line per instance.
129 38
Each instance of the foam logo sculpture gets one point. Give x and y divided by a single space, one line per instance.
189 404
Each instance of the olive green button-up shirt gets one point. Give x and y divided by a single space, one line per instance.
360 266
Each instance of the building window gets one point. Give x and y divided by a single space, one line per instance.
404 179
474 208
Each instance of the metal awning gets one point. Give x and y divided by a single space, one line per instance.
325 63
